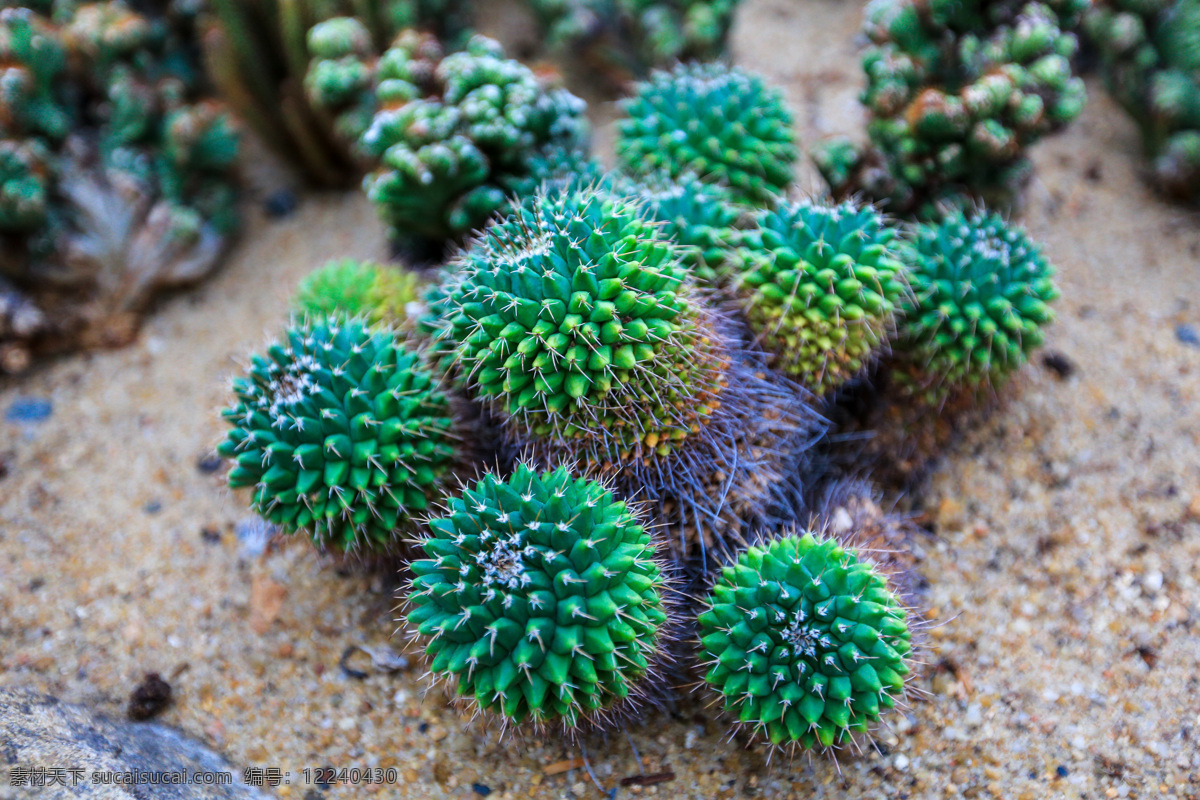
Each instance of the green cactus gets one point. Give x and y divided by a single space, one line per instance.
819 285
702 219
450 143
378 294
540 599
630 36
1150 58
573 316
32 61
956 93
257 52
341 76
719 123
804 642
26 174
981 294
342 434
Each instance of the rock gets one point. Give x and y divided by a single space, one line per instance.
150 697
281 203
1187 334
1059 364
43 739
29 410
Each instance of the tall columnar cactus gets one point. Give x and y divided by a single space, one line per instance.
981 294
1150 54
634 35
573 316
719 123
342 434
804 642
451 142
956 93
540 599
376 293
820 285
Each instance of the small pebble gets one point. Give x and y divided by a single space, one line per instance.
29 410
281 203
210 535
481 789
253 534
900 762
1059 364
208 464
1061 771
1187 334
153 507
150 697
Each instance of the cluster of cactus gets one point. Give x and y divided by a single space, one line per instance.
1150 57
631 36
668 332
454 133
116 173
956 93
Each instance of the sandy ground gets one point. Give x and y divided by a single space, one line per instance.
1064 563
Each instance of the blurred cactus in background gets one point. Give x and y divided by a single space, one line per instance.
117 174
1150 58
631 36
454 135
259 52
956 93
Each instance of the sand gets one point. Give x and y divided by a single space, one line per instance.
1063 563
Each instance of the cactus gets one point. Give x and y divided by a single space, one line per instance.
981 294
578 323
25 185
380 295
450 143
341 76
630 36
956 94
719 123
540 599
701 218
804 642
1150 57
573 316
342 434
819 284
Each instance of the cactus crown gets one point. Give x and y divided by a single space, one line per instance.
574 316
341 432
717 122
820 284
379 294
539 597
804 642
981 294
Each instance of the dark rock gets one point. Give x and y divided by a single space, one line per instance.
210 535
1187 334
153 507
150 697
41 736
1061 771
1059 364
281 203
209 464
29 410
481 789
